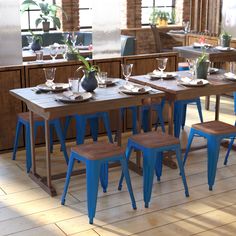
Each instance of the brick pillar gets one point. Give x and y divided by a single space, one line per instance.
71 8
133 13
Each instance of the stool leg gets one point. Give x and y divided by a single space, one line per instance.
106 122
128 151
234 102
228 151
183 119
158 108
18 128
68 174
199 107
80 128
125 171
158 165
94 128
190 139
213 148
148 173
134 111
178 113
104 176
145 119
181 169
67 122
92 180
58 129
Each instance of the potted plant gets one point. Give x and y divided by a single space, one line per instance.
48 13
202 65
37 42
159 17
225 39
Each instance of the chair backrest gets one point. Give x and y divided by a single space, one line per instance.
157 38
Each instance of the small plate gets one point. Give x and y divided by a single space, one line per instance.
166 76
82 47
109 82
213 70
230 76
143 90
83 97
224 49
57 87
194 83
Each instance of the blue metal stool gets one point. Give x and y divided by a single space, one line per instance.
23 119
214 132
151 144
94 156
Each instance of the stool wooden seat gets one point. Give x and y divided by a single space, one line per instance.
94 156
214 132
152 144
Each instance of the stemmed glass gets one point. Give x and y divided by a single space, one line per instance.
53 51
63 49
161 64
73 38
49 76
127 70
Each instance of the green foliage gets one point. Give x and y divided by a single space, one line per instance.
203 57
48 11
36 37
158 14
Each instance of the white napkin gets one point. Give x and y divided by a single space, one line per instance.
230 75
187 80
72 96
134 89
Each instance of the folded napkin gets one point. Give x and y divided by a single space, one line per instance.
72 96
230 75
158 74
186 80
134 88
53 85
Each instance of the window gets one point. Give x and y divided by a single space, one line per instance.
29 16
85 14
163 5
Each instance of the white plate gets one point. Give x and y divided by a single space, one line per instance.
213 70
230 76
57 87
83 97
130 92
109 82
224 49
166 76
194 83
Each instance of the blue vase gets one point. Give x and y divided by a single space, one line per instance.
89 82
35 46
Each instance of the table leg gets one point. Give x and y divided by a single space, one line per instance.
217 108
207 102
31 120
119 127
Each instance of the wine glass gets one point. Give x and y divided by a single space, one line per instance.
53 51
73 38
49 76
63 49
29 40
127 70
161 64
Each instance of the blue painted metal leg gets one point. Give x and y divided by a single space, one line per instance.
128 151
68 174
181 168
106 122
92 179
184 115
125 171
104 176
94 128
61 138
148 173
228 151
80 128
66 126
28 149
213 148
178 112
18 129
159 110
199 107
134 111
234 102
145 119
190 139
158 165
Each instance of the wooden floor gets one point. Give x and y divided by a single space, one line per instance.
27 210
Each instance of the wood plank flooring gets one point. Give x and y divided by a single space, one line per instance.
27 210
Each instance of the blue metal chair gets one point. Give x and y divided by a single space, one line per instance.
151 144
95 155
214 132
23 120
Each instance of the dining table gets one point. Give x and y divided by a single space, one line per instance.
49 106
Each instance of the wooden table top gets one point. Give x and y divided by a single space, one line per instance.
103 99
214 54
217 85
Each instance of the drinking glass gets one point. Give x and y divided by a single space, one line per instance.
161 65
192 67
63 49
126 71
29 40
102 79
73 38
49 76
186 26
74 84
53 51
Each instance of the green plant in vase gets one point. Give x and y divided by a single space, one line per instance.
225 39
202 65
159 17
37 41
